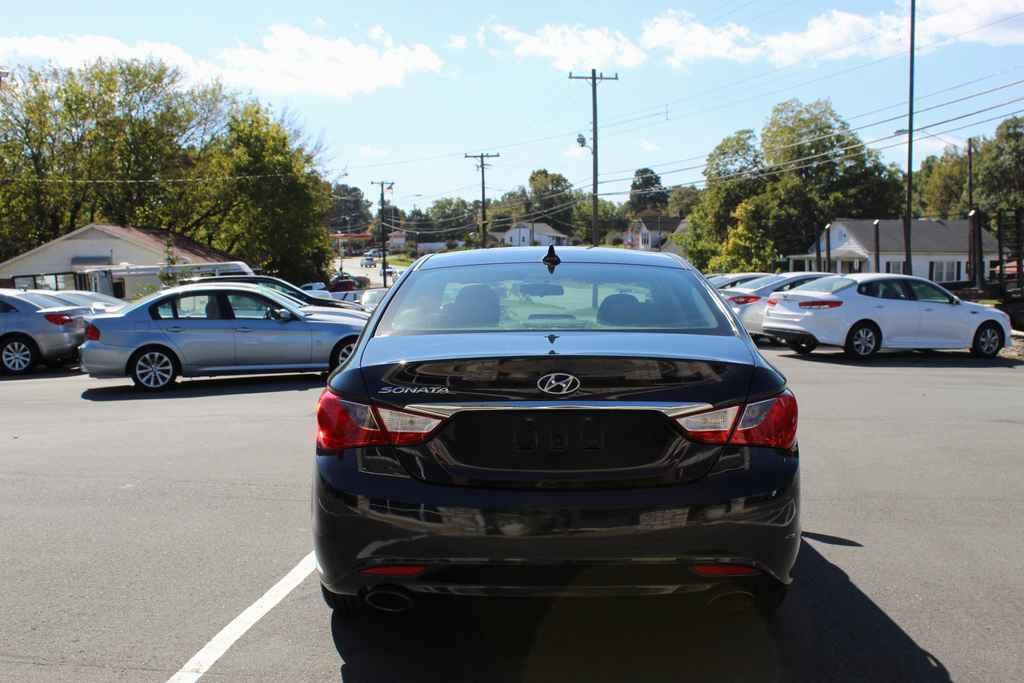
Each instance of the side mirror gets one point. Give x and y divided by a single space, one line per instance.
283 314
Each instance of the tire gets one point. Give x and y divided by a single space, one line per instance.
153 368
863 340
802 346
18 355
988 340
342 350
347 606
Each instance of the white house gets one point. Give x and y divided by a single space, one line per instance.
649 233
525 234
63 263
396 240
940 248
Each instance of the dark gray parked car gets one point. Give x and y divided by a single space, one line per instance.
214 329
36 327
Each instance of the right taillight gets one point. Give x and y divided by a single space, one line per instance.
92 333
771 423
344 424
772 301
821 303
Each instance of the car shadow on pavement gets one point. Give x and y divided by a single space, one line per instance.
902 359
208 387
44 372
827 630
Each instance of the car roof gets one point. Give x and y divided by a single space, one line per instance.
475 257
198 286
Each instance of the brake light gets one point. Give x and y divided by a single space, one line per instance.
723 570
744 299
772 301
92 333
395 570
821 303
771 423
346 424
58 318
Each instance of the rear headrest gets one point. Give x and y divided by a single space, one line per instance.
620 309
474 305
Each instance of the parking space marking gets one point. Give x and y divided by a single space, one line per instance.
222 642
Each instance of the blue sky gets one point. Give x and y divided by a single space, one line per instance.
400 90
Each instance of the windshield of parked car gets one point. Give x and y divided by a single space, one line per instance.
716 280
825 284
578 296
758 283
372 297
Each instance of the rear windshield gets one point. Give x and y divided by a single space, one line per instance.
758 283
825 284
41 300
577 296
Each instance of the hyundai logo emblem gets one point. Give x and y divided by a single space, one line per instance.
558 383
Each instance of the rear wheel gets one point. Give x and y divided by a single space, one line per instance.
802 346
343 605
864 340
987 341
342 351
18 355
153 369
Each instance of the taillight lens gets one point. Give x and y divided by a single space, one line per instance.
744 299
772 301
345 424
822 303
58 318
92 333
771 423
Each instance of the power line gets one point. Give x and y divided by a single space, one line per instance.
594 79
482 165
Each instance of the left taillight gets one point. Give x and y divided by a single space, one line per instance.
59 318
344 424
744 299
771 423
92 333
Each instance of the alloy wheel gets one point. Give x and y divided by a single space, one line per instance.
154 369
17 356
864 341
345 351
988 341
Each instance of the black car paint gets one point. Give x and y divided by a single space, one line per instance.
581 533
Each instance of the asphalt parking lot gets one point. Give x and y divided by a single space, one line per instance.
136 527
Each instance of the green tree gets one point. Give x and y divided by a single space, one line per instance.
551 199
608 219
944 194
350 211
1000 167
681 201
747 248
732 174
646 194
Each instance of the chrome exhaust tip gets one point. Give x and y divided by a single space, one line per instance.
389 599
732 602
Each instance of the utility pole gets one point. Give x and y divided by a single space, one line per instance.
482 165
970 173
384 184
908 266
594 77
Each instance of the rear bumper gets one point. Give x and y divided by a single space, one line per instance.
59 344
102 360
787 334
534 543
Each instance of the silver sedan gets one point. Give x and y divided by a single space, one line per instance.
36 327
214 329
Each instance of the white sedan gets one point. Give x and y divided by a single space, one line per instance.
864 313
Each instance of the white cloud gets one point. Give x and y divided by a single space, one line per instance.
572 47
371 152
481 36
834 34
458 42
647 146
286 60
319 23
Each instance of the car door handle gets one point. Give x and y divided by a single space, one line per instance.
243 329
175 328
929 310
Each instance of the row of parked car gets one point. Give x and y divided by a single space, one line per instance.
861 312
206 326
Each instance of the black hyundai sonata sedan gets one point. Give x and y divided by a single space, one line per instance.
554 422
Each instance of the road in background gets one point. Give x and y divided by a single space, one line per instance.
135 527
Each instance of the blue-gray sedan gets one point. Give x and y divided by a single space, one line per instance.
214 329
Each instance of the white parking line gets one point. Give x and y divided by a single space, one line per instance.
220 643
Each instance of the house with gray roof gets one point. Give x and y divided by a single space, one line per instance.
940 248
